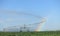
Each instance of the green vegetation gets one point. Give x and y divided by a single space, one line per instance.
45 33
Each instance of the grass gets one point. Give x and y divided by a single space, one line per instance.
45 33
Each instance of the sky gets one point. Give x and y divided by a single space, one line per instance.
43 8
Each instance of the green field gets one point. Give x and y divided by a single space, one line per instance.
45 33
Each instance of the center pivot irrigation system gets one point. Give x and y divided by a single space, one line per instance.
25 27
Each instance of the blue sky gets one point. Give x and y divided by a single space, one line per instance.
44 8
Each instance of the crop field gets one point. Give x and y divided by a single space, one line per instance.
45 33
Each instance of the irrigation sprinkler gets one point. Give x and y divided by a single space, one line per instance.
18 14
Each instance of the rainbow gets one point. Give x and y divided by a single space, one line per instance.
41 24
